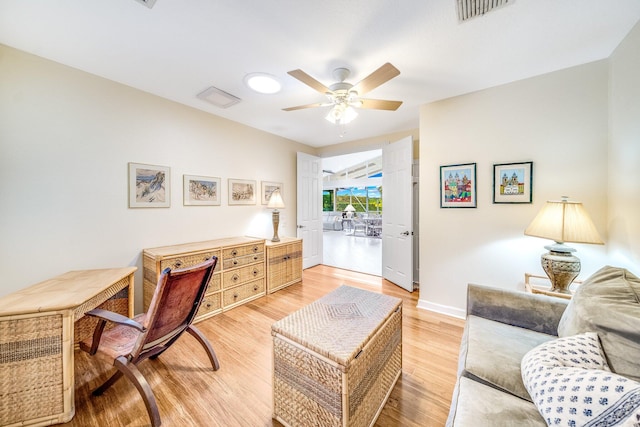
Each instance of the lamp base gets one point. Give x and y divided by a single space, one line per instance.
276 222
562 268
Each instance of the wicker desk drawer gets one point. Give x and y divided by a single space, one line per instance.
318 380
243 293
241 275
239 251
243 260
188 260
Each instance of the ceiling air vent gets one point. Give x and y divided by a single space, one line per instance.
218 97
468 9
148 3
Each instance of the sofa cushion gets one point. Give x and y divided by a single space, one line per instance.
491 353
608 303
571 385
475 404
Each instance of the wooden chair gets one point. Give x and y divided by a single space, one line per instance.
173 307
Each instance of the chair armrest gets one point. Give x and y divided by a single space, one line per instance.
540 313
115 318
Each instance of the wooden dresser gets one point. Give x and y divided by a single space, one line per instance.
239 276
284 263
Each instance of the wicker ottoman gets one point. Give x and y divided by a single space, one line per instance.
336 360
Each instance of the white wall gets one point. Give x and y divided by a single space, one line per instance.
558 121
624 154
66 138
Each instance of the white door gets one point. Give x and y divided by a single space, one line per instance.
397 205
309 210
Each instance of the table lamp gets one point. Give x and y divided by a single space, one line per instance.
562 222
350 210
275 203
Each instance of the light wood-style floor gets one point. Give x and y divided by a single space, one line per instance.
189 393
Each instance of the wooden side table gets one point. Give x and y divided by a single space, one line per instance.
537 284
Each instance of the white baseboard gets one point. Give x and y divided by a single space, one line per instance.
442 309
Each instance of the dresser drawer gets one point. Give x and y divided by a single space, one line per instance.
242 274
210 304
189 260
244 292
243 260
215 283
239 251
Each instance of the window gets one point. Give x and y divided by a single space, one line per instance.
327 200
363 199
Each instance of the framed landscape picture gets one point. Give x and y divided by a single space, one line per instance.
513 182
268 188
149 186
201 190
242 192
458 186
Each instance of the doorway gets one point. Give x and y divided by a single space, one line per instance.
352 209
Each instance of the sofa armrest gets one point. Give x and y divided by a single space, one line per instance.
540 313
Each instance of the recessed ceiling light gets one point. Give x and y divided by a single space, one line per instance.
262 83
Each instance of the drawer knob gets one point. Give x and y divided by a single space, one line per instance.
255 249
235 296
235 262
208 305
177 264
235 278
255 271
255 258
234 252
255 287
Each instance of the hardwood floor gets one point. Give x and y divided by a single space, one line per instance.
189 393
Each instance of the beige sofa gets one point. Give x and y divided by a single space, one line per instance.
503 326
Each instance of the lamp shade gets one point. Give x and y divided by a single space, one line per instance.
564 221
275 201
350 208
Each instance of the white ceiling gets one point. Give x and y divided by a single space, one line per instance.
180 47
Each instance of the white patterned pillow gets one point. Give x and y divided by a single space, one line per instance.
571 385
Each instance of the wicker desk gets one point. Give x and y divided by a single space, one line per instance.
39 326
336 360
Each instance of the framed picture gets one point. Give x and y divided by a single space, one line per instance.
201 190
149 186
513 182
458 186
268 188
242 192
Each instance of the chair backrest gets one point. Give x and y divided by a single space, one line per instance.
174 305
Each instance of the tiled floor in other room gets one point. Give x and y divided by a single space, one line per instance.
356 253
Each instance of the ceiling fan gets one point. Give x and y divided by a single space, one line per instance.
343 96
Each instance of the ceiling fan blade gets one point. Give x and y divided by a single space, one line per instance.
301 107
375 79
309 81
380 104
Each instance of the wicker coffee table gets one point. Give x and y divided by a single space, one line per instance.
336 360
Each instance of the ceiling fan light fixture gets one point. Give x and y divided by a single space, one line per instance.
263 83
341 114
348 115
